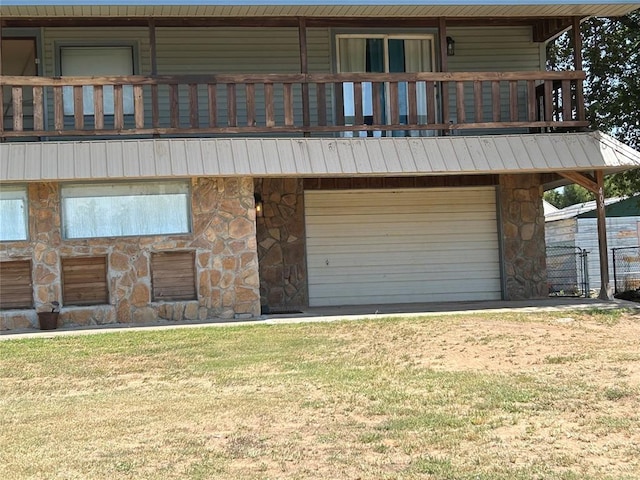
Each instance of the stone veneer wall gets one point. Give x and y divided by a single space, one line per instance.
223 238
281 243
522 217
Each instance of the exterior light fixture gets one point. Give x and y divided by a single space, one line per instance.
258 200
451 47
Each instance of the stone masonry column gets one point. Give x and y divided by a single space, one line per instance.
44 225
522 226
281 243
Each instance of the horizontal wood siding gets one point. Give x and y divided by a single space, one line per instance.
560 232
396 246
173 276
15 284
475 105
53 38
240 50
493 49
84 281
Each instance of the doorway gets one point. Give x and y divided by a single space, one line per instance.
19 58
396 53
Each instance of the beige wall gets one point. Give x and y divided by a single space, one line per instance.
223 239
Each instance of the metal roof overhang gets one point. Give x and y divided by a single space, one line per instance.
99 160
317 8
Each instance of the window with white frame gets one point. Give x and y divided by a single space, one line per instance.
97 61
13 213
125 209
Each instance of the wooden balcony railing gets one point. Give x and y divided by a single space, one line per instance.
289 103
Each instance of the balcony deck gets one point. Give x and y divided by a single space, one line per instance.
377 104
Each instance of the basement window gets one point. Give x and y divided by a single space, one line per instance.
13 212
125 209
15 284
173 276
84 281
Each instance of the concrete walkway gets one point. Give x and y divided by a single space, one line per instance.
331 314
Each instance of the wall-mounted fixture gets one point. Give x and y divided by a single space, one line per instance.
451 47
258 199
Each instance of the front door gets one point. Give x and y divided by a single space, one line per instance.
19 58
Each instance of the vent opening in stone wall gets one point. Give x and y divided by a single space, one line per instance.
173 276
15 285
84 281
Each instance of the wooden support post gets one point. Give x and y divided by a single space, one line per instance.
577 55
596 186
444 66
442 41
153 53
153 47
605 288
304 68
0 48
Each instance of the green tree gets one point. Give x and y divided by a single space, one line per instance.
611 59
570 195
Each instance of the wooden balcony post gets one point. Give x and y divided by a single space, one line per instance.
577 49
153 47
444 66
16 95
304 68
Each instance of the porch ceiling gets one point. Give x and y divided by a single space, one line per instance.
315 8
313 157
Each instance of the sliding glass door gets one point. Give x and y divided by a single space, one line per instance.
385 54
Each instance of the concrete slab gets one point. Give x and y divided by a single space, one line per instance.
357 312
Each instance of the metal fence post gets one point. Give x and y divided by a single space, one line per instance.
615 273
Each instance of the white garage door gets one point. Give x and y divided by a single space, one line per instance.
400 246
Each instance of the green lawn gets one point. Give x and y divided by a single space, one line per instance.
455 397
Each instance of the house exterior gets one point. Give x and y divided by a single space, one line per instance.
576 226
216 159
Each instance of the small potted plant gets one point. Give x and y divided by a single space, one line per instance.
48 320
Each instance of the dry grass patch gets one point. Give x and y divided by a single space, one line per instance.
467 397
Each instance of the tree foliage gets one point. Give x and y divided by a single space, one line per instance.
570 195
611 60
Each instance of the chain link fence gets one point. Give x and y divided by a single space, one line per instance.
626 268
567 271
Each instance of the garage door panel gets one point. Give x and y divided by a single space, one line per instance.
406 209
380 246
401 287
398 198
389 246
368 275
433 241
443 259
421 297
401 220
359 230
